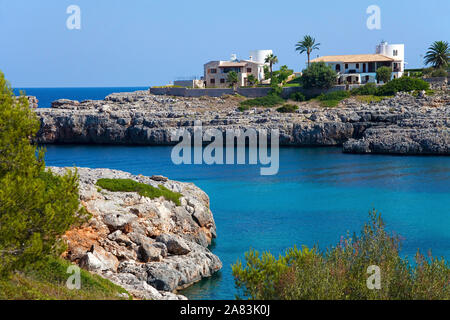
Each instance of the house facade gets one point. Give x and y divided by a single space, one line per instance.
216 72
361 68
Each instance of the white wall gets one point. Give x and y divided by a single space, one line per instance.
260 55
388 50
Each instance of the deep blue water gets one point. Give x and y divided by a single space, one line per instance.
47 95
318 195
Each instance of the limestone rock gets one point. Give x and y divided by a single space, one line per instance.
175 245
141 118
151 247
149 252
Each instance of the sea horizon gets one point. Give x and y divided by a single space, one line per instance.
46 95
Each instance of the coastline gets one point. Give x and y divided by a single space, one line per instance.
403 125
150 247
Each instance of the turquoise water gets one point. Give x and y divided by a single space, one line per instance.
318 195
47 95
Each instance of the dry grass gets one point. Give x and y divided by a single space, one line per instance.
47 281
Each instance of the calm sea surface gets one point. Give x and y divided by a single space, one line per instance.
47 95
318 195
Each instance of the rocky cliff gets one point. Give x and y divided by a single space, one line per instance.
151 247
401 125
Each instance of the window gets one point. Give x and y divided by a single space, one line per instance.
249 70
346 66
222 80
228 69
338 68
213 70
395 53
357 66
213 81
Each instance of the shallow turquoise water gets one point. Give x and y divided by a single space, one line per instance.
318 195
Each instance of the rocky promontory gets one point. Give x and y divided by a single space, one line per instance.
403 124
150 247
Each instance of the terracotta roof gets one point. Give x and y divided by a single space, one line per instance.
354 58
232 64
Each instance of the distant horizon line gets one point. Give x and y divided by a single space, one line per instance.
80 87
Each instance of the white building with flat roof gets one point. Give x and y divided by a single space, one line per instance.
361 68
216 72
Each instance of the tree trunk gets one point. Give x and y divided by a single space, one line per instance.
271 73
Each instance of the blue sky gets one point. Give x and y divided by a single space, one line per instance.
152 42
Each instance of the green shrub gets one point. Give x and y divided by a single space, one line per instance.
298 96
428 71
335 95
288 108
296 80
332 99
270 100
281 75
275 90
340 272
145 190
403 84
439 73
365 90
318 75
416 74
330 103
36 207
384 74
371 98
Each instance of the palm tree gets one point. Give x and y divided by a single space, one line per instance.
271 60
233 79
438 54
308 44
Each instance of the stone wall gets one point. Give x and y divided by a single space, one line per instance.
437 82
246 92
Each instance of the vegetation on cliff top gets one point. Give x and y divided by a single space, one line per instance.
271 100
145 190
341 272
288 108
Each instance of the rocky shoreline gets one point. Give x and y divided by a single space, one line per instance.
401 125
150 247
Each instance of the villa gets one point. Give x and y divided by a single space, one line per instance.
361 68
216 72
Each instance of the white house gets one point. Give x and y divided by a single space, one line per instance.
361 68
216 72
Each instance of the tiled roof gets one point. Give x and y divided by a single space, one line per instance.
354 58
232 64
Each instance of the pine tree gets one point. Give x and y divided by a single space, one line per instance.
36 207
